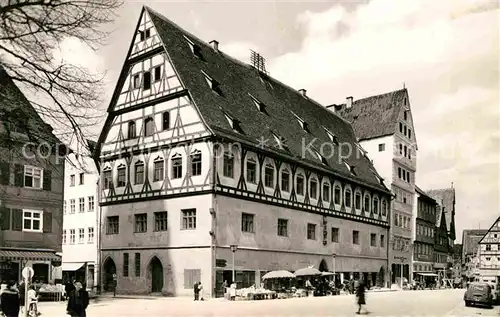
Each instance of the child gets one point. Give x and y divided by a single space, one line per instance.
32 302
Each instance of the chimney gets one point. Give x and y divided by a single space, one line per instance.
348 102
215 45
303 92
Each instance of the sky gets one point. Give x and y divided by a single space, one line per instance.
446 53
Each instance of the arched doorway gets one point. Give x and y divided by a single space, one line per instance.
323 267
109 269
156 270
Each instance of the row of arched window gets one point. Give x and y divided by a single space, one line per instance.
159 170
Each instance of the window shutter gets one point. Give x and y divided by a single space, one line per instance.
4 173
47 221
17 219
4 218
47 179
19 175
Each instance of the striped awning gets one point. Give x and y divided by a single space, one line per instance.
15 255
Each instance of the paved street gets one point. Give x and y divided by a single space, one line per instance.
408 303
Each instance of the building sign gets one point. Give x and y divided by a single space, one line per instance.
220 263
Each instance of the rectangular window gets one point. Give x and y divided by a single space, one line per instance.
91 235
148 33
409 134
313 190
106 175
357 201
158 171
64 237
196 164
125 264
72 236
147 80
91 203
137 264
113 225
81 204
285 181
251 172
161 221
335 235
326 192
139 173
228 162
400 127
283 227
157 73
337 195
381 147
247 222
373 240
121 177
405 115
33 177
311 231
177 167
399 172
82 178
141 223
191 276
32 220
355 237
135 81
488 247
166 120
189 219
269 176
64 207
81 235
382 241
72 180
300 185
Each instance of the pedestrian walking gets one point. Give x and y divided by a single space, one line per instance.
360 295
196 291
9 301
200 290
78 302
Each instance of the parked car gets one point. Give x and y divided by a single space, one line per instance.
478 293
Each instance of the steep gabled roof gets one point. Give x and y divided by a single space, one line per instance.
446 198
236 81
494 224
424 194
16 109
471 238
375 116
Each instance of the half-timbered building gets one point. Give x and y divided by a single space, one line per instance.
489 256
209 165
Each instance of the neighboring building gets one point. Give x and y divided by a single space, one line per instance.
201 161
424 240
80 228
489 255
442 247
457 261
384 127
470 249
31 188
446 198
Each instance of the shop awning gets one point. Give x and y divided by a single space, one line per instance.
427 274
15 255
73 266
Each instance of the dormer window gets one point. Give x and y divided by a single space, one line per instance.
261 106
280 141
332 136
195 49
302 123
350 168
234 123
212 83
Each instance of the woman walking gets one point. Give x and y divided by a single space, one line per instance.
360 295
78 301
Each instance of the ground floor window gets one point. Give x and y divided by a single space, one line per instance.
9 271
41 273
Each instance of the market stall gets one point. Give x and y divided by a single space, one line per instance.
280 282
48 292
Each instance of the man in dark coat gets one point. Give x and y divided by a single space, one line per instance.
360 295
196 291
9 301
68 288
78 301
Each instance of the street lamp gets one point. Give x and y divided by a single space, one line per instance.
234 247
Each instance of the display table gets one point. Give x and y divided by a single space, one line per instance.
262 295
53 296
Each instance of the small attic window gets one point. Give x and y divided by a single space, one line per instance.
141 36
280 141
349 167
195 49
234 123
332 136
261 106
302 123
212 83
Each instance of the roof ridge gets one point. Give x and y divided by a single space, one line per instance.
381 95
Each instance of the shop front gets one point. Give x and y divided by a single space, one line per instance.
12 261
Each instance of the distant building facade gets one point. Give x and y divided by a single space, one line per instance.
424 238
187 186
442 248
80 228
489 255
470 251
457 261
31 188
384 127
